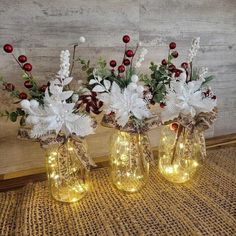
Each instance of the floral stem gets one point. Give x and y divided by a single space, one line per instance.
73 59
131 63
29 74
191 71
179 131
124 53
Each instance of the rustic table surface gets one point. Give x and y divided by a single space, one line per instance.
204 206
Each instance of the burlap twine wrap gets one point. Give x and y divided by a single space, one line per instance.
80 150
132 126
204 206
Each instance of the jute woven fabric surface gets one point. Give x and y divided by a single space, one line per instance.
204 206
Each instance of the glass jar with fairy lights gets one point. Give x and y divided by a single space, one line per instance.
127 111
188 108
129 160
181 152
60 124
67 171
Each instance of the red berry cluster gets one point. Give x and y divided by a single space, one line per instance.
8 48
171 67
90 102
127 59
209 94
27 67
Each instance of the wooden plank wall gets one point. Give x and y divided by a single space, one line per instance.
40 29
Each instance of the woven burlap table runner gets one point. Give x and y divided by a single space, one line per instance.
203 206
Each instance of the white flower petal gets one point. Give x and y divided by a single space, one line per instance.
92 81
107 84
98 89
66 81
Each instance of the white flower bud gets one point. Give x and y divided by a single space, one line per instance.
82 39
34 104
25 104
134 78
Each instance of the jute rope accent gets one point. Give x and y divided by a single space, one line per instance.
204 206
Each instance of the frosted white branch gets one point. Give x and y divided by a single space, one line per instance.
194 48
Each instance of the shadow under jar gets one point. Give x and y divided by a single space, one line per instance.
68 177
129 160
181 153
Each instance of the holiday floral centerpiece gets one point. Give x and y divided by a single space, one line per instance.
127 110
188 108
60 124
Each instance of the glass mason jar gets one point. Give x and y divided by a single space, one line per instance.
129 160
181 153
68 177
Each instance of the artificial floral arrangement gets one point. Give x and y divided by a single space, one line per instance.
127 109
188 106
59 121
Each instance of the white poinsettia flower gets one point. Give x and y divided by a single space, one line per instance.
57 117
187 99
125 103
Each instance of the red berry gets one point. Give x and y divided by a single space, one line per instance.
164 62
162 104
129 53
174 54
126 38
28 84
22 58
27 67
43 88
174 126
171 67
113 63
10 87
126 62
177 73
213 97
121 68
23 95
8 48
172 45
184 65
